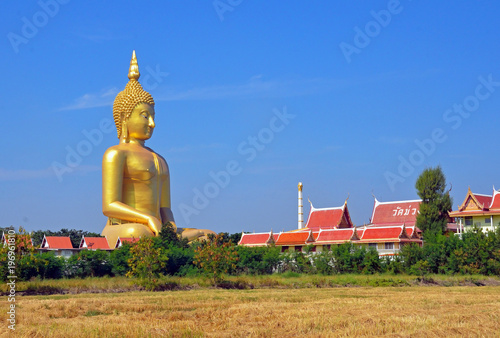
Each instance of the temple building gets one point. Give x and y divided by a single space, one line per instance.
59 245
478 210
392 226
329 218
395 213
125 240
258 239
94 243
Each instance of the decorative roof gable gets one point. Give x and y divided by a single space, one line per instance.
476 202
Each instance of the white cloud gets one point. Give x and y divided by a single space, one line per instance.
255 87
102 99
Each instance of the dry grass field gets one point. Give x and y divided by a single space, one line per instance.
318 312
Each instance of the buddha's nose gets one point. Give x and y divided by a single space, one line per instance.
151 122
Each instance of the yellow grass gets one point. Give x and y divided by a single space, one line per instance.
361 311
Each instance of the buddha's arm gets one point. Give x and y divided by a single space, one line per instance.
112 186
165 202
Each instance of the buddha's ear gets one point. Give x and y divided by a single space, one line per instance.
124 133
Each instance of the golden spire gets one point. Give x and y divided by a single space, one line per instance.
133 72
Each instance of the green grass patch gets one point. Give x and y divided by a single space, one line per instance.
289 280
92 313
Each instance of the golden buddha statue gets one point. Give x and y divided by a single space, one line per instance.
135 179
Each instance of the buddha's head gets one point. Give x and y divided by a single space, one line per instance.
133 109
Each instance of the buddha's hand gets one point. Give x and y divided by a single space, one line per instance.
154 224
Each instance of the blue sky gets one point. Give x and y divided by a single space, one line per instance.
374 92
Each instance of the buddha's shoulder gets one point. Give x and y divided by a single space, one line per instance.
116 151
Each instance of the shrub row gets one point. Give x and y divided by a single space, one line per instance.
474 253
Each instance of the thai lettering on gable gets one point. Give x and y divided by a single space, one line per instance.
404 212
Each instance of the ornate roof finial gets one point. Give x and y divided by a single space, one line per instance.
133 72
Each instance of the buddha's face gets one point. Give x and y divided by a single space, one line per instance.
141 122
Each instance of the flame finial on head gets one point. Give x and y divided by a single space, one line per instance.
133 72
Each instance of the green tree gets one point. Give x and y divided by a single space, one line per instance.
177 250
147 261
169 237
436 202
234 238
216 257
324 262
371 262
89 263
348 258
410 254
18 246
43 265
119 260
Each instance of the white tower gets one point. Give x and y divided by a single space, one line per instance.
301 208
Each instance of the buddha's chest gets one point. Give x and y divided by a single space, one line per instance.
144 166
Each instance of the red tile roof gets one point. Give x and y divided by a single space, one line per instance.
94 243
258 239
398 212
22 240
337 236
329 218
453 227
295 238
384 234
25 240
485 200
56 242
122 240
495 203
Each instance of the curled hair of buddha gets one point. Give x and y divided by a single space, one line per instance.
130 97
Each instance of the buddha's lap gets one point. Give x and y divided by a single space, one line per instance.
126 230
